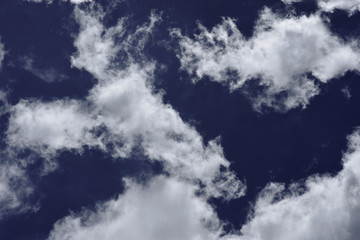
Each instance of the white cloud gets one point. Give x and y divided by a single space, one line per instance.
325 208
164 209
53 126
351 6
281 53
123 111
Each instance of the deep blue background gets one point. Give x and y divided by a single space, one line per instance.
262 147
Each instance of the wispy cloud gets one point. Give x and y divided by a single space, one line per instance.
2 53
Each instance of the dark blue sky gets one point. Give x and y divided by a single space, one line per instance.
263 147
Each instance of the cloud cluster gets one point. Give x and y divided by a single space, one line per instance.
124 112
323 208
121 112
285 58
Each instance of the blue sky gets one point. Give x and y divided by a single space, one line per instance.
199 120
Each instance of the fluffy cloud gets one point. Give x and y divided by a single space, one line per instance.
122 111
351 6
31 124
281 55
324 208
164 209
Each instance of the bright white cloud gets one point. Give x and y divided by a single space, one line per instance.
123 111
162 210
328 209
31 124
351 6
281 53
324 208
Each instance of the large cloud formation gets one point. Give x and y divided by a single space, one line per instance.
287 55
124 111
323 208
121 112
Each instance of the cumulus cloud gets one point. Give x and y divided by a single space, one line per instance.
351 6
31 124
285 57
323 208
164 209
122 111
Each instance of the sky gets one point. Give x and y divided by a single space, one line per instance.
179 120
